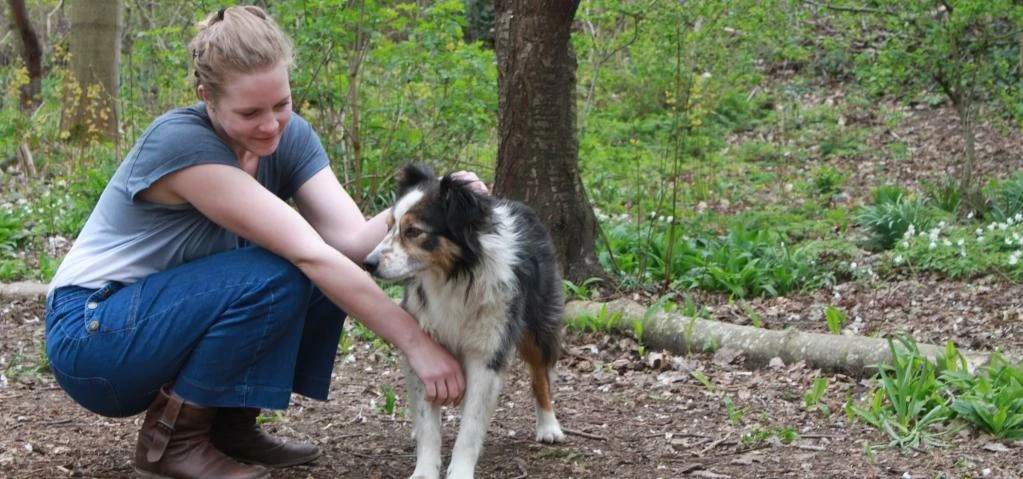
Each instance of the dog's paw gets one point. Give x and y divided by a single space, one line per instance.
550 434
426 473
548 429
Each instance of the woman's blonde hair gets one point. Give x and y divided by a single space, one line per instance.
236 40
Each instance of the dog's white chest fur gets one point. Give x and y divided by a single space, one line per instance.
464 314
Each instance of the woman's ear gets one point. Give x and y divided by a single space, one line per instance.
204 95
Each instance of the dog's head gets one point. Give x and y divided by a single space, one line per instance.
434 225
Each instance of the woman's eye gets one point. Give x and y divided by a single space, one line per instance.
412 232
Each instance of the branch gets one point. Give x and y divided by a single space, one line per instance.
850 9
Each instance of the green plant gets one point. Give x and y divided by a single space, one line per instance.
703 379
836 319
759 435
1006 198
991 400
944 194
390 400
754 317
580 291
828 180
735 414
812 400
604 321
888 221
908 403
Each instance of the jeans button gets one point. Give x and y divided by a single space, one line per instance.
93 326
92 305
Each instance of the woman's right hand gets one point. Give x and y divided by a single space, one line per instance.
439 371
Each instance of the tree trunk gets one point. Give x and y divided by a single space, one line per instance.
538 147
31 54
90 102
853 355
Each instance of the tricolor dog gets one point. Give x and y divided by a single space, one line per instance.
481 277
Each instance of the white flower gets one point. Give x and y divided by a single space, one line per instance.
980 239
1013 259
946 242
905 244
932 245
898 259
960 242
979 231
852 265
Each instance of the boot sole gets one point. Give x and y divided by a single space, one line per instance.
142 474
294 462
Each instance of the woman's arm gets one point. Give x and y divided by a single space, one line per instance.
334 215
234 200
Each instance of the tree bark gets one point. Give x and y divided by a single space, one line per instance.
31 54
95 48
852 355
538 146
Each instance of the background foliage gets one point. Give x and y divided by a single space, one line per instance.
715 137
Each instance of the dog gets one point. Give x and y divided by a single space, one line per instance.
480 276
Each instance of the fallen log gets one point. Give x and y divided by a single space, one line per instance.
853 355
23 290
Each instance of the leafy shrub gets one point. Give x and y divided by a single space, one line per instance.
888 221
944 194
743 262
963 251
1006 197
11 231
828 180
907 403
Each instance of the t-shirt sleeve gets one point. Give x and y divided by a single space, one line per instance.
176 142
299 156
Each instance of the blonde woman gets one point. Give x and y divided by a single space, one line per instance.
195 293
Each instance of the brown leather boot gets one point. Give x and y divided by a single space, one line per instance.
174 443
236 433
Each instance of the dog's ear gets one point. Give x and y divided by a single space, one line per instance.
464 210
412 175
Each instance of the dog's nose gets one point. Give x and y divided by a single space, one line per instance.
370 265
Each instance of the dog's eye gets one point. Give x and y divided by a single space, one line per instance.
412 232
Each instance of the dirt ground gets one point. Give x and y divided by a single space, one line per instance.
625 420
703 417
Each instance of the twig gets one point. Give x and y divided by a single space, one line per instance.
521 464
809 447
713 445
55 422
583 434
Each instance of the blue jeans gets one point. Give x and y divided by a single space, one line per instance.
243 328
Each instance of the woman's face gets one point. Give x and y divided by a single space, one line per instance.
253 110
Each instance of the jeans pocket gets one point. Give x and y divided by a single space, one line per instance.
95 394
103 316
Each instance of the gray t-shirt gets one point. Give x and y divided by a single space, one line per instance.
127 238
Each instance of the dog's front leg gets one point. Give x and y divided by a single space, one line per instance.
482 386
426 429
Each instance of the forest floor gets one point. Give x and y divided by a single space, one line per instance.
705 416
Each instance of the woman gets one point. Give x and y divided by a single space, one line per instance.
160 307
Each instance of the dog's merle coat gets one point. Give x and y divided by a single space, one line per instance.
481 278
